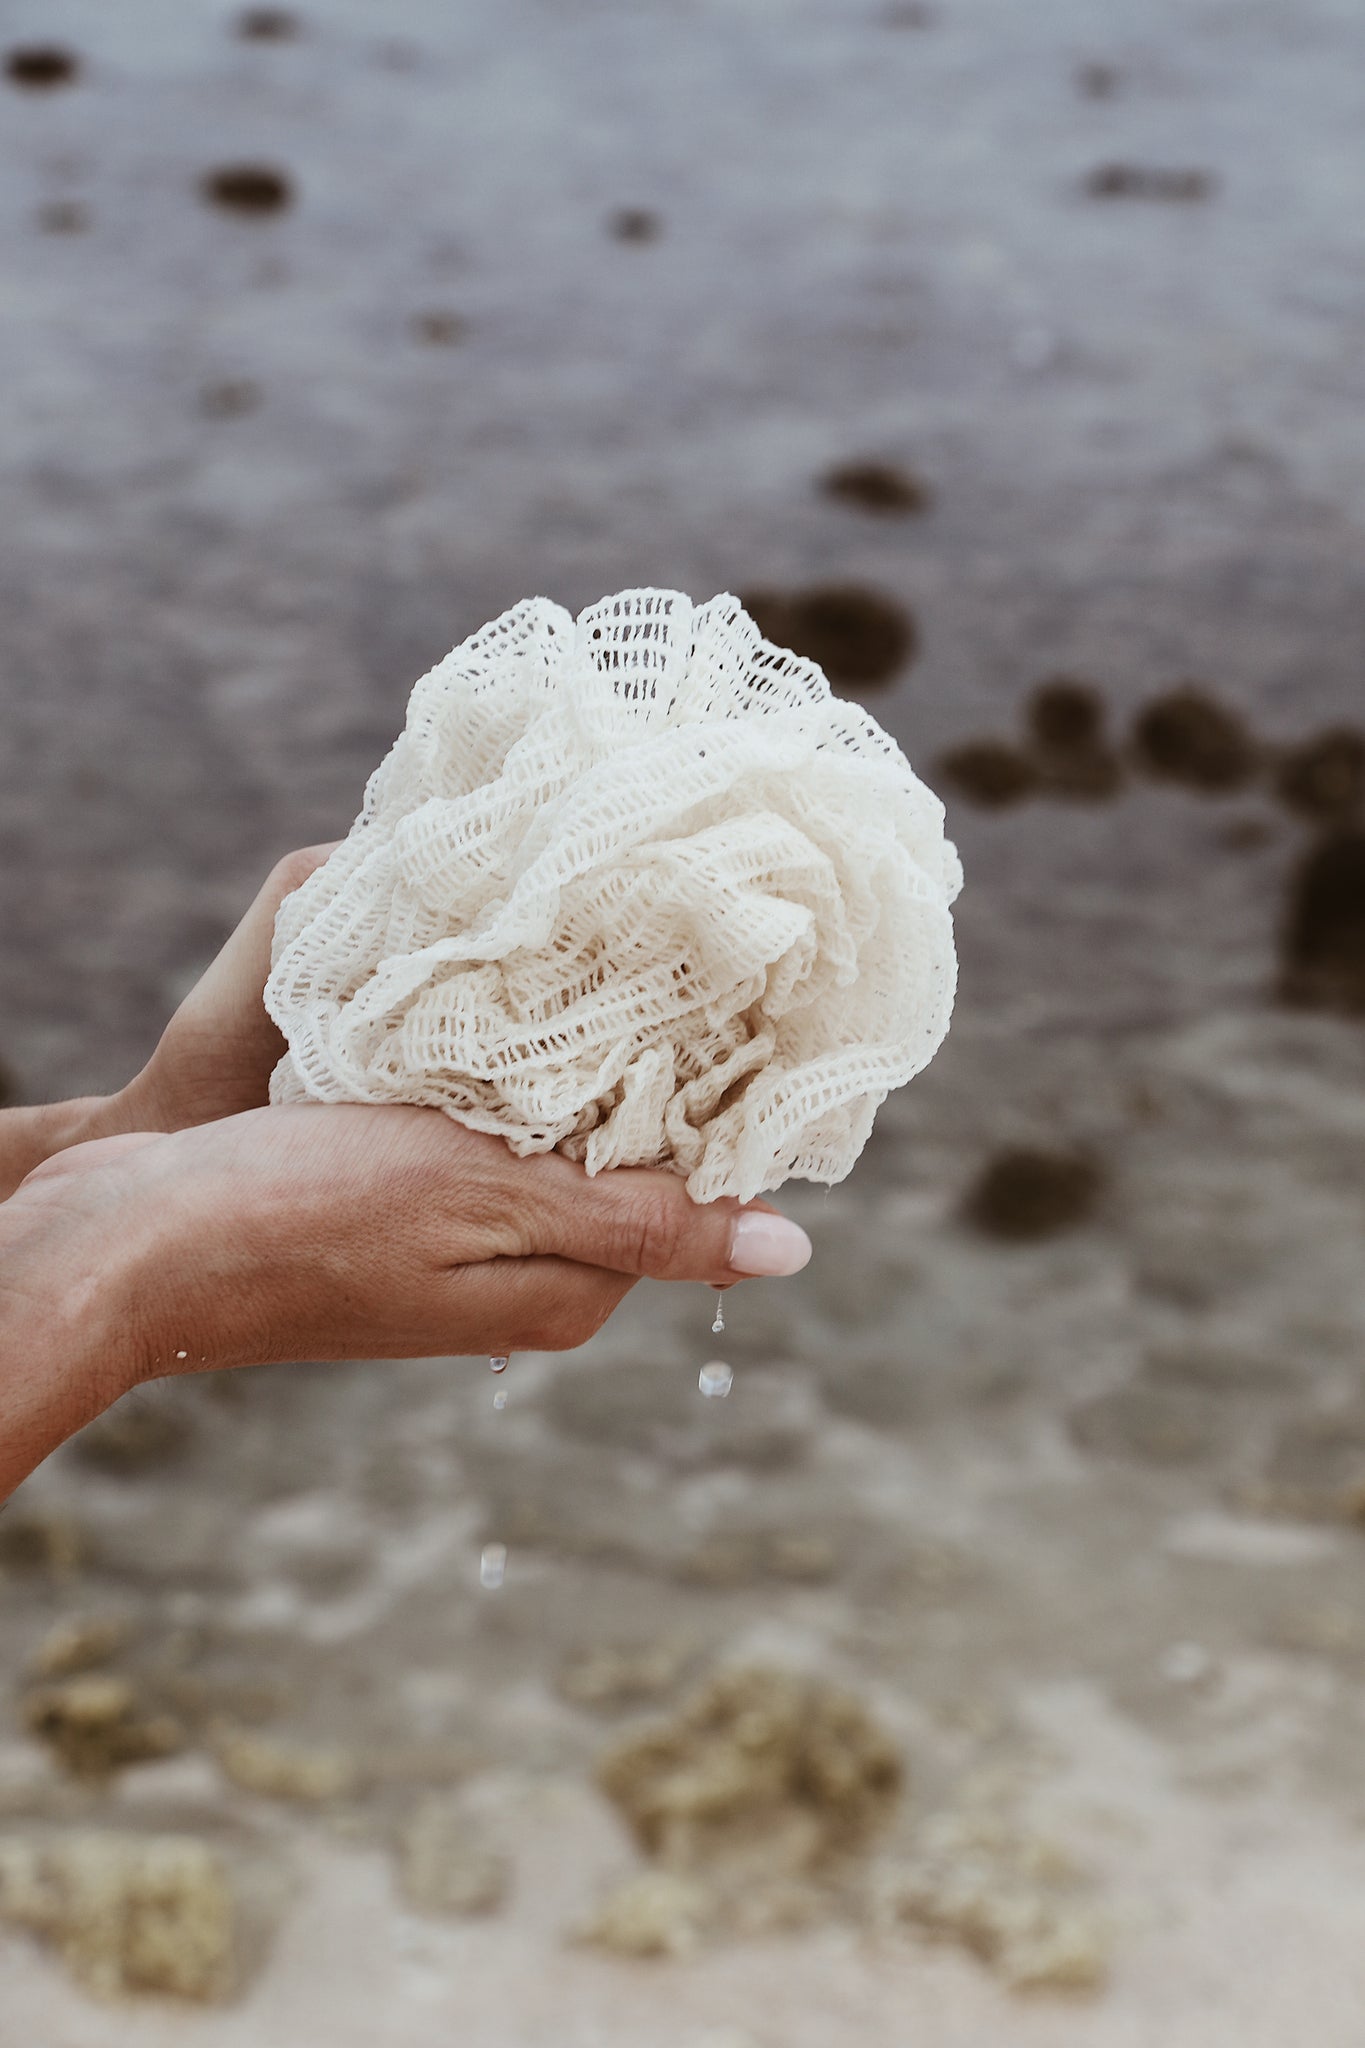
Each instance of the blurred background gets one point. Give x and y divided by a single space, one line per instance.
989 1664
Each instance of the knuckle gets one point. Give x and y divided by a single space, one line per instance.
292 870
654 1234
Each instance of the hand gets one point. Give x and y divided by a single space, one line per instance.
330 1231
214 1058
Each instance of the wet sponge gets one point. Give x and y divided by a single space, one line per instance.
637 887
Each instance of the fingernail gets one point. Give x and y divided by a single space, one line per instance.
766 1244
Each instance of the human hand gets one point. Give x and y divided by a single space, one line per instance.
216 1055
332 1231
214 1058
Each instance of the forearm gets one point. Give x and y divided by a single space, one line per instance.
123 1268
68 1337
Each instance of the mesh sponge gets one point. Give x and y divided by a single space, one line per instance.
635 887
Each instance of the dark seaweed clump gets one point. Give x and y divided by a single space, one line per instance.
992 773
1066 715
877 487
38 67
1188 736
1142 181
1322 952
1098 81
131 1436
635 224
267 25
1026 1192
1066 723
1325 776
63 217
250 189
229 399
439 330
858 637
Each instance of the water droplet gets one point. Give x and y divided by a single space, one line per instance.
497 1365
715 1379
719 1323
182 1354
492 1565
499 1397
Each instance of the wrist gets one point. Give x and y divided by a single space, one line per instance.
69 1334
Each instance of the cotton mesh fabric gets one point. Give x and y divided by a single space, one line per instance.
636 887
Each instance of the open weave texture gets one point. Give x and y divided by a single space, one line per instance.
638 887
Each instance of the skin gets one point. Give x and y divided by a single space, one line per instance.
186 1216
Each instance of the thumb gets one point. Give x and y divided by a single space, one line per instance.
640 1221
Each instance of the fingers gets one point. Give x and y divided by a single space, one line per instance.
643 1222
548 1304
244 961
490 1306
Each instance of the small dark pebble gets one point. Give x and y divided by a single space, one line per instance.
1325 776
63 217
255 189
1026 1193
1322 952
876 487
439 329
38 67
229 399
992 773
858 637
1138 181
635 224
1097 81
267 25
1188 736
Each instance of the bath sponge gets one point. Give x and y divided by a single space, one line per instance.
637 887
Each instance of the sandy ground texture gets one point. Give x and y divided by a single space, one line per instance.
989 1665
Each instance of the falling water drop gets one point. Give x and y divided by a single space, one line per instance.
715 1379
492 1565
497 1365
499 1398
719 1323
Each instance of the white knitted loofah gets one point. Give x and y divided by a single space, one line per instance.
637 887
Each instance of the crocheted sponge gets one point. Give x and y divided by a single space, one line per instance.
636 887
